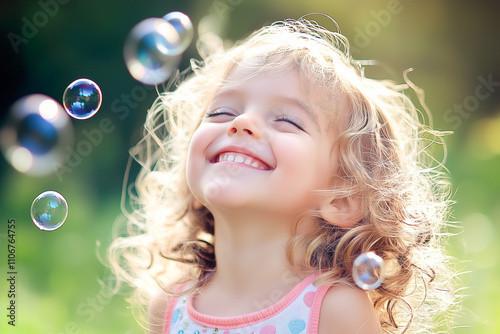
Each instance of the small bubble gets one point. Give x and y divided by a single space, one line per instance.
184 28
82 99
368 271
49 210
36 132
150 51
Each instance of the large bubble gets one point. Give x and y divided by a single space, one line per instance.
82 98
49 211
35 134
368 271
151 51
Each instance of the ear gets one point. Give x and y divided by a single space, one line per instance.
342 212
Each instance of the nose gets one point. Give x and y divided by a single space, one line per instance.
244 125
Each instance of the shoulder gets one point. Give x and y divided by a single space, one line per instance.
347 310
156 312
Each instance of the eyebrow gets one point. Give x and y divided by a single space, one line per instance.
304 106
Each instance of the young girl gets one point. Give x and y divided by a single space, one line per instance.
265 174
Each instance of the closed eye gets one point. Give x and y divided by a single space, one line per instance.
295 122
221 111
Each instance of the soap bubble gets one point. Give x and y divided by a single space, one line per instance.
49 210
184 28
35 134
82 99
149 51
368 271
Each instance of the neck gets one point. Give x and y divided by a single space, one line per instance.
251 252
252 271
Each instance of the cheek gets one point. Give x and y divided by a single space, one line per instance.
196 153
196 143
204 135
308 162
296 153
296 161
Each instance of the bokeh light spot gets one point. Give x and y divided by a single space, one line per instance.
22 159
48 109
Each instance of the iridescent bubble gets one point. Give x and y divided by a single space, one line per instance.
184 27
36 132
148 51
368 271
49 210
82 99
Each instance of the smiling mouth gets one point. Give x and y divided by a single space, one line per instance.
241 158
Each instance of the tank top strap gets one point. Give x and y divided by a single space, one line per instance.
297 312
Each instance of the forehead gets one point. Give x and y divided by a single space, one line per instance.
252 74
278 73
323 95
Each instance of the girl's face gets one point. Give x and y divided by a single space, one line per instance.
262 145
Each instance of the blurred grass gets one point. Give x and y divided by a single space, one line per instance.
450 44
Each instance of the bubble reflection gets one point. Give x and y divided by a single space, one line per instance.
49 211
82 99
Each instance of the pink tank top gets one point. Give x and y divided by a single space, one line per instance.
296 313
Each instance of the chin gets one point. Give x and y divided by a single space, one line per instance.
226 200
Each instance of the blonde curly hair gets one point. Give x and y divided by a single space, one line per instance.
383 160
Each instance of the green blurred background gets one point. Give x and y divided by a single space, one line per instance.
453 46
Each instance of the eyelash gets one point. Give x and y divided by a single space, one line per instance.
220 111
290 120
229 112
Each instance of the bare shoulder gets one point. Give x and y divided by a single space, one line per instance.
347 310
156 312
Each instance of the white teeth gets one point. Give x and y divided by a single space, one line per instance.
241 158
